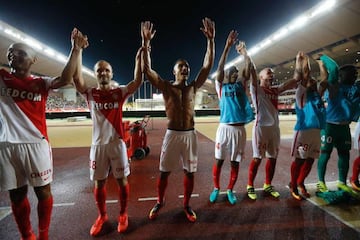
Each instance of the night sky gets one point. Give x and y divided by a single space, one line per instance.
113 27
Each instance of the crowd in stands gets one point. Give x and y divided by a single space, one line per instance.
57 103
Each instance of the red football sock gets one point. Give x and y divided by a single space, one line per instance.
216 175
188 189
253 168
270 170
305 170
161 186
100 198
234 172
44 213
295 171
21 212
124 197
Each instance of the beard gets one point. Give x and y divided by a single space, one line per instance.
104 81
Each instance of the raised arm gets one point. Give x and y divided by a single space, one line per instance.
78 42
301 72
323 77
249 69
231 39
289 84
147 33
209 31
306 70
138 76
78 78
332 69
298 74
329 72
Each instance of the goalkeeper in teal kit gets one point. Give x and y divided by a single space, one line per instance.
341 96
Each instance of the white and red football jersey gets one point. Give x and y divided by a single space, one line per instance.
265 101
106 113
22 108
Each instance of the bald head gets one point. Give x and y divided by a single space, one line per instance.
22 50
266 71
266 77
21 57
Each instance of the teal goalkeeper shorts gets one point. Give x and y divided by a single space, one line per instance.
338 136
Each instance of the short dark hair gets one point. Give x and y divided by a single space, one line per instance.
347 74
231 70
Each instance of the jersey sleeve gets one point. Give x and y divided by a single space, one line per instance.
332 68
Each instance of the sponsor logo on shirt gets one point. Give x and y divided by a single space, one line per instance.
15 93
109 105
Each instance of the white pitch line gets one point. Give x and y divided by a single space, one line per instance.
63 204
5 208
147 199
192 195
143 199
4 212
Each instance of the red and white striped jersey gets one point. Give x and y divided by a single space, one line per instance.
22 108
106 113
